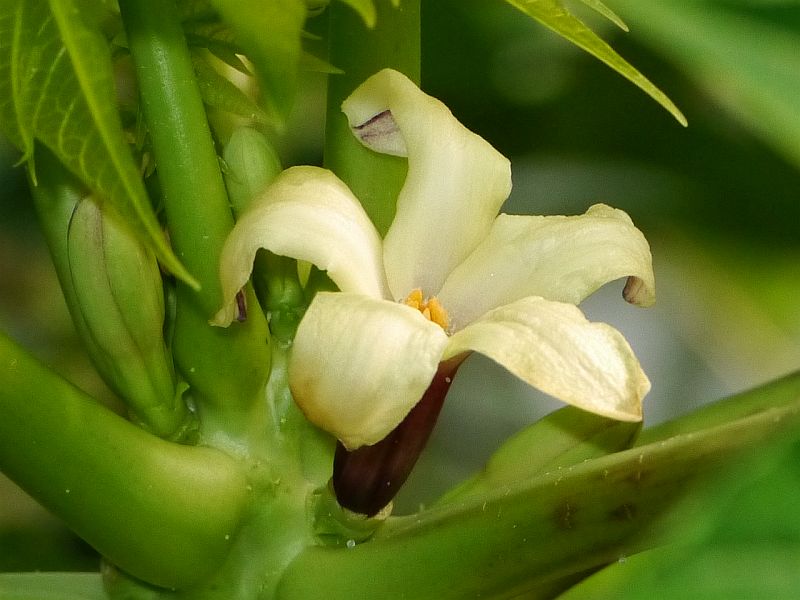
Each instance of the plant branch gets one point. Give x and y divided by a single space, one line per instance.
227 368
527 535
52 586
164 512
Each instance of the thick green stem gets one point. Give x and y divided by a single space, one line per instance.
52 586
528 537
275 526
194 194
227 368
360 52
166 513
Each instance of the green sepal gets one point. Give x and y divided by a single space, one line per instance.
337 526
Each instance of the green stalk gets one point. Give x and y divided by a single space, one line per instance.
275 525
227 368
394 42
164 512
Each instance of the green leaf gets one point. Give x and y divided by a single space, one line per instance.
220 93
553 15
217 38
269 33
749 65
52 586
12 122
315 64
365 8
57 87
606 12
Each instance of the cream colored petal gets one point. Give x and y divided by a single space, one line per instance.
552 347
309 214
359 365
556 257
455 185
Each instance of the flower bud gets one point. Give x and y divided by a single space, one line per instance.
250 166
117 296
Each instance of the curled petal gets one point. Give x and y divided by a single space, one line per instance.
556 257
309 214
455 185
552 347
359 365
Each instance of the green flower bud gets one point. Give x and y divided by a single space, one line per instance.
250 166
117 295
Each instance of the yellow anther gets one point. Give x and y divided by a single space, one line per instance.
431 308
437 313
414 299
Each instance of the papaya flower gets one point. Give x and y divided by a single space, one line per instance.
450 277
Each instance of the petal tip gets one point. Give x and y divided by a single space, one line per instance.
223 318
638 293
381 134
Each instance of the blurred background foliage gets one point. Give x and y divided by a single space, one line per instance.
718 202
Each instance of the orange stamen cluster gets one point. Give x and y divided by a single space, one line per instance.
430 308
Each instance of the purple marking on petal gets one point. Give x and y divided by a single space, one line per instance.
241 306
378 127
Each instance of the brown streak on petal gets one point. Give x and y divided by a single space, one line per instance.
241 306
635 290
